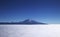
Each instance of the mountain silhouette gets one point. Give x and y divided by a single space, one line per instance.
27 21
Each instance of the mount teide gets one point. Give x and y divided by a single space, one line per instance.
27 21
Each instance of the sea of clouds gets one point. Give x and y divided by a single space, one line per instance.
50 30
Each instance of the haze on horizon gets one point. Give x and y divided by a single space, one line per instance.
47 11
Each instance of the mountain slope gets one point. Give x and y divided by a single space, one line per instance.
27 21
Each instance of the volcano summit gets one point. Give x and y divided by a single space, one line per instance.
27 21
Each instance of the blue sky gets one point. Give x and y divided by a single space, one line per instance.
47 11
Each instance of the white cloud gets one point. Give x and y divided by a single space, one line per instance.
30 31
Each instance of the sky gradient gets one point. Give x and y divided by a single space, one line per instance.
47 11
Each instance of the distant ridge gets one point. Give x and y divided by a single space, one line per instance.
27 21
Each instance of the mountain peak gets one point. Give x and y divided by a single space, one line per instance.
29 21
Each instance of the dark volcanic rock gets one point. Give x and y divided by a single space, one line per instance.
27 21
